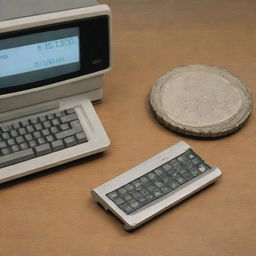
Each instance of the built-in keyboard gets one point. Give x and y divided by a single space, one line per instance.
155 185
158 182
41 134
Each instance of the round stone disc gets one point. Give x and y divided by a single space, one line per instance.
201 100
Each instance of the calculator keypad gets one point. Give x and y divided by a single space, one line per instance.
158 182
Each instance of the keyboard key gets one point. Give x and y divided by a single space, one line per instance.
37 135
41 141
43 149
50 116
16 157
14 133
190 154
16 126
180 179
174 184
54 129
122 191
113 195
57 145
119 201
159 172
11 142
59 114
24 123
139 197
42 119
180 171
55 122
68 118
127 197
70 141
167 167
134 204
81 137
70 111
151 188
196 160
75 123
195 171
47 124
129 187
187 175
15 148
144 180
202 167
34 120
64 127
24 145
32 143
45 132
30 128
151 176
38 127
126 208
5 151
20 139
181 160
158 183
144 192
22 131
137 184
67 133
5 135
5 128
3 144
164 177
49 138
175 164
28 137
157 193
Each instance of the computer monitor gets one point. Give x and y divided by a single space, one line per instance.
52 49
53 55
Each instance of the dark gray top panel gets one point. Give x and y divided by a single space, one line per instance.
12 9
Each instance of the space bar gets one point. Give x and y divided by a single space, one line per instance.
16 157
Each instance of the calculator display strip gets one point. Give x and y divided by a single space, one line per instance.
158 182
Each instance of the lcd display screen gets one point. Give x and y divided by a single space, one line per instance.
45 55
39 56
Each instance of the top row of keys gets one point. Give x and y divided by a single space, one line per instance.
37 119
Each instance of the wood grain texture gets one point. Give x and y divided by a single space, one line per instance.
52 213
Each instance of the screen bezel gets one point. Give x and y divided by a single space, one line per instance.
94 49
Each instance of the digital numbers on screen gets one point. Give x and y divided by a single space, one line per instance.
56 44
38 56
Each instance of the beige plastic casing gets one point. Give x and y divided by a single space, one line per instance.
154 208
77 92
98 140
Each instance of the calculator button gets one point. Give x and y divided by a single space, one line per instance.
202 168
195 171
119 201
133 203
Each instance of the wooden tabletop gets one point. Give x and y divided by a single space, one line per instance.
51 213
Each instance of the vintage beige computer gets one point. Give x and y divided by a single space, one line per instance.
53 55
